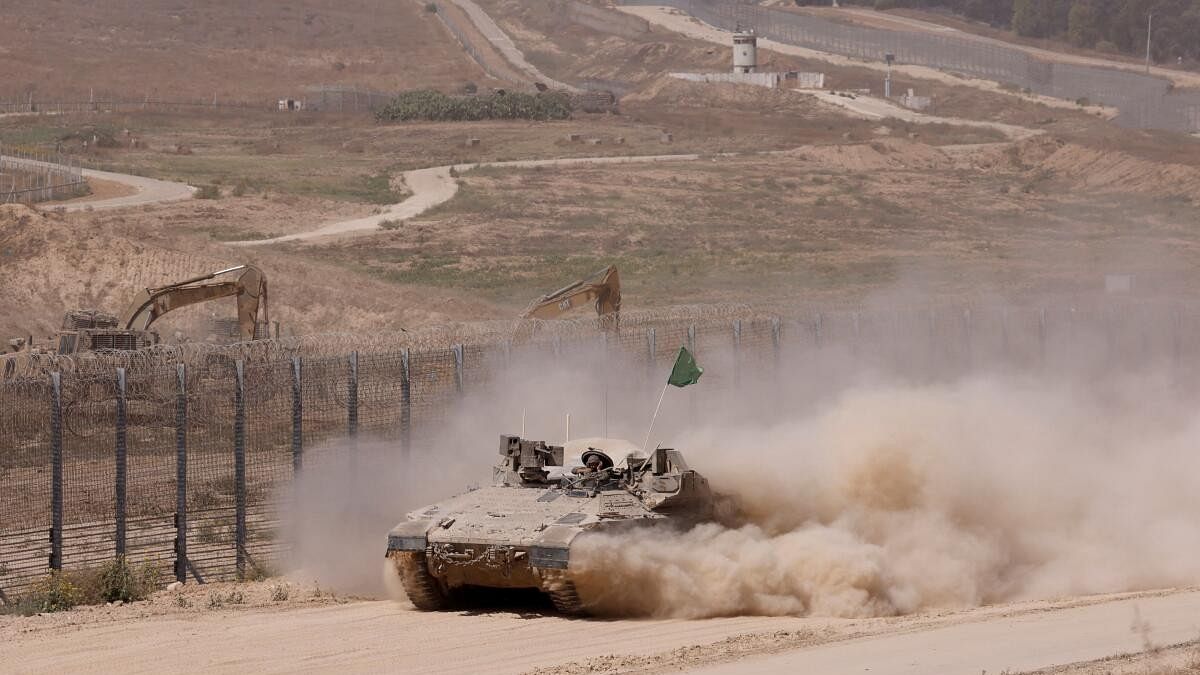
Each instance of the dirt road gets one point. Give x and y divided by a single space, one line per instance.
378 636
144 190
1011 644
435 185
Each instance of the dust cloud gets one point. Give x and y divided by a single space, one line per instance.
896 498
352 492
861 492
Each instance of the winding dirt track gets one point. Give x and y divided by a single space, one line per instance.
145 190
433 186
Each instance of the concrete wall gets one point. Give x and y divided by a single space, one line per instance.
770 80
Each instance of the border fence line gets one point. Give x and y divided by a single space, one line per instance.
30 177
329 98
1144 101
180 464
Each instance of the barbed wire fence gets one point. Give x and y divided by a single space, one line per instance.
1144 101
30 177
341 98
460 33
176 458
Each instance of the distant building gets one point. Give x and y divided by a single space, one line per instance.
745 52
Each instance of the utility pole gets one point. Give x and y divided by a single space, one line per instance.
887 83
1149 27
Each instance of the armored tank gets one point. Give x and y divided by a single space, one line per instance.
518 532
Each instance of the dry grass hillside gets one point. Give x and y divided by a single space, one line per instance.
830 222
845 209
50 263
233 49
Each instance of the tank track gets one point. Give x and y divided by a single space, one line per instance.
563 594
423 590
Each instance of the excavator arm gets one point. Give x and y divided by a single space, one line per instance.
603 289
249 286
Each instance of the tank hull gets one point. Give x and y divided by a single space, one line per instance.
519 532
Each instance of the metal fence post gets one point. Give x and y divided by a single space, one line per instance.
737 352
1004 333
818 325
967 334
405 404
297 418
776 340
181 559
458 367
121 460
651 347
857 347
56 471
692 339
239 469
1042 337
352 397
1176 329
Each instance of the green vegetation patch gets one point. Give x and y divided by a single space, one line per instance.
59 591
428 104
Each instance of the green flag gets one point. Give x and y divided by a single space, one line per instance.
685 371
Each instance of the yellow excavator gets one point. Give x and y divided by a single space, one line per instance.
602 289
90 330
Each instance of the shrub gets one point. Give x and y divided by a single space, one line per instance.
118 581
391 224
431 7
208 192
55 592
279 593
427 104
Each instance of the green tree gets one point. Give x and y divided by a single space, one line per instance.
1083 24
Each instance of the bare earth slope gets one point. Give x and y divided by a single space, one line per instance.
226 48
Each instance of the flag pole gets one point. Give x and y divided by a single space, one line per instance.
656 408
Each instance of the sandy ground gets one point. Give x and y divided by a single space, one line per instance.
1008 644
248 627
868 107
674 20
100 190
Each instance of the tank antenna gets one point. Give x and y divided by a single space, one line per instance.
646 444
